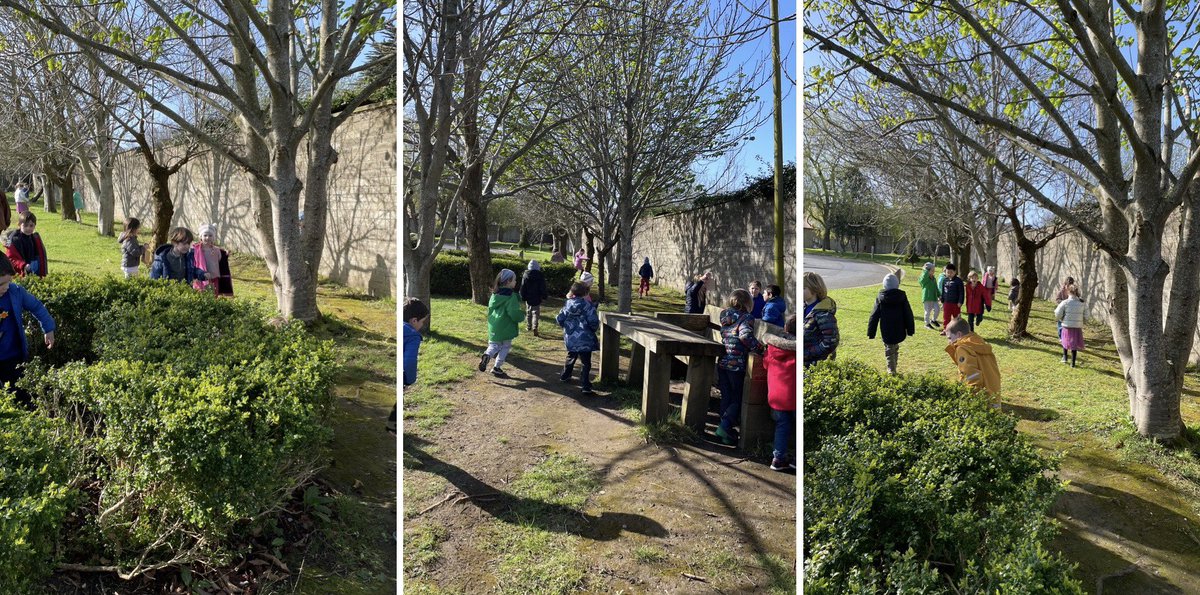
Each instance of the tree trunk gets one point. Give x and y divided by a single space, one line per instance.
625 262
613 261
591 249
1027 265
826 241
479 252
602 272
523 240
105 217
160 198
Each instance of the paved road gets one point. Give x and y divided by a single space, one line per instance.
843 274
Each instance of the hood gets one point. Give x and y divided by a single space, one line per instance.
505 291
783 341
973 343
892 296
826 304
163 249
534 266
730 316
576 307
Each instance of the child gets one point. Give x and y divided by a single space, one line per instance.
930 296
953 296
1013 294
989 281
695 294
175 261
737 333
976 363
131 250
78 201
775 308
780 364
415 314
580 259
1063 293
587 279
1070 315
580 324
504 314
978 299
821 336
756 292
14 350
25 250
533 291
214 261
894 317
646 273
22 198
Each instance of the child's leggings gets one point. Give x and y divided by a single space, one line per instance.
949 311
731 383
974 319
932 309
585 374
498 351
785 431
532 313
893 354
644 288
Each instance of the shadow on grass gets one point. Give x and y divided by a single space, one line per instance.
1032 413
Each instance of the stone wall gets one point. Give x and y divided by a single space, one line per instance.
734 240
360 239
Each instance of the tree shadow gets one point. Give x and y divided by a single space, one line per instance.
1036 414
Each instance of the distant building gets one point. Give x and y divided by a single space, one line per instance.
810 234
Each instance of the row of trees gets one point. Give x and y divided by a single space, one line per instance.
1081 108
263 87
590 115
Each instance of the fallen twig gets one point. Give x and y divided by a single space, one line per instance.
440 502
275 561
694 577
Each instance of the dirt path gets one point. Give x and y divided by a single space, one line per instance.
658 514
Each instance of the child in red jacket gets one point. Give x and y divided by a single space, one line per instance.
780 364
978 298
25 249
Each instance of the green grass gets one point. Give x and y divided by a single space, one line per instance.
648 555
421 547
881 258
531 253
668 431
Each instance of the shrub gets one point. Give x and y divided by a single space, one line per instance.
451 276
914 484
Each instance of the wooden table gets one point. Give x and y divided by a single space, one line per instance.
656 343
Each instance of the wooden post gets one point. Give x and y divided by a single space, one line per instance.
701 370
656 387
637 364
610 353
756 423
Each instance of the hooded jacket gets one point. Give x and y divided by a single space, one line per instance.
893 316
533 287
694 297
989 281
412 343
160 270
780 363
775 311
978 298
1070 312
580 323
759 302
22 301
504 314
646 271
23 249
737 334
223 280
1012 293
954 290
821 332
977 367
929 286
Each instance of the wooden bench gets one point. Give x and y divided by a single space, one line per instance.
656 344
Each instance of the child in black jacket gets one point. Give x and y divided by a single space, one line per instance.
533 293
893 316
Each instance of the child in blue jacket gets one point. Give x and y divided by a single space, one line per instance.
14 350
775 309
580 323
415 313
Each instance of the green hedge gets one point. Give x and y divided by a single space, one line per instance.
196 417
913 484
451 276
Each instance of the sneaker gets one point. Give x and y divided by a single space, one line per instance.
535 333
929 326
483 361
498 373
792 465
936 324
564 378
779 465
1064 360
727 438
587 390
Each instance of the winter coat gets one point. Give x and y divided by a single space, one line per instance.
759 302
893 315
131 251
929 287
954 291
504 314
533 287
1012 293
580 324
160 270
977 367
23 249
224 279
978 298
579 259
694 298
775 311
989 281
820 332
1070 312
646 271
941 283
412 343
780 364
21 301
1063 293
737 334
5 213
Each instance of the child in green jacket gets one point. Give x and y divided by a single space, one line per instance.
504 315
930 291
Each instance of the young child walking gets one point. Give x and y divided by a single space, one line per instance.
780 365
646 272
1013 294
25 250
953 296
580 324
977 367
989 281
533 291
131 249
1070 315
979 298
894 317
930 296
737 334
504 316
415 314
14 349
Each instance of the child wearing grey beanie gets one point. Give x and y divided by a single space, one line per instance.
893 317
504 315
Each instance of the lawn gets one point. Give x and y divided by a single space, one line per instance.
354 552
880 257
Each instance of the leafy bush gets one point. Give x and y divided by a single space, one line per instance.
451 275
37 456
198 417
913 484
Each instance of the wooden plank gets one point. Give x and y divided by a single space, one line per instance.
658 336
637 364
610 353
697 323
656 387
701 373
